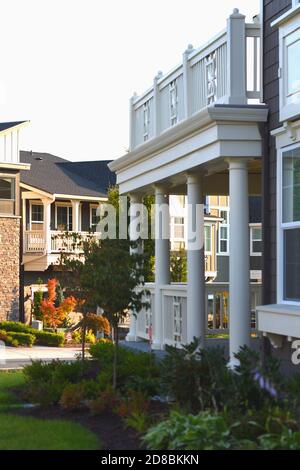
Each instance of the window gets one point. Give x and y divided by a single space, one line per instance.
146 113
173 102
293 59
64 218
208 239
255 241
179 228
289 55
224 231
290 224
94 218
7 196
37 216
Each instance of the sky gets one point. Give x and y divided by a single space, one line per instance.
70 66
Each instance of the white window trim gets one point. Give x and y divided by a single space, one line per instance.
209 253
281 227
92 206
34 203
62 204
288 108
254 253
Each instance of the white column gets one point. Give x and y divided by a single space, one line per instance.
236 64
162 260
75 215
134 199
196 312
24 221
47 224
239 263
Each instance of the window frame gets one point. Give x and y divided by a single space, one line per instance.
35 203
223 225
282 227
68 206
209 252
252 228
92 206
7 176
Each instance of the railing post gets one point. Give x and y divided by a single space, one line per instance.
186 80
236 71
156 123
132 122
47 223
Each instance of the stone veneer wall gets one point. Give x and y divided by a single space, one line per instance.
9 268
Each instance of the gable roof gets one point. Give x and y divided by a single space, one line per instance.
8 125
57 175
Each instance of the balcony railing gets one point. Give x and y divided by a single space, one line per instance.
175 312
35 241
226 71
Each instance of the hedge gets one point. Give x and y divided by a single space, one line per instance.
43 338
23 339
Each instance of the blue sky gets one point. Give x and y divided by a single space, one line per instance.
70 66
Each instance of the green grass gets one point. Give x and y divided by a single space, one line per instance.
10 380
26 433
23 433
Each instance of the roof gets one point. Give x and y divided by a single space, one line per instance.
8 125
57 175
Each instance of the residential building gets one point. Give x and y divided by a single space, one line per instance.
10 220
197 132
57 196
279 318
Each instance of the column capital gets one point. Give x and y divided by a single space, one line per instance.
194 178
135 198
162 189
237 163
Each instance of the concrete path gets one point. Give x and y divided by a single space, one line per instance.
16 358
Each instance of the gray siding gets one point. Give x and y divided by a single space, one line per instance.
272 9
85 217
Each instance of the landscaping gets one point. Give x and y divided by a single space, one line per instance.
190 400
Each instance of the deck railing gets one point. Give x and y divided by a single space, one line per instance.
70 242
226 70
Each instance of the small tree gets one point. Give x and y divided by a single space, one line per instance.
37 300
55 315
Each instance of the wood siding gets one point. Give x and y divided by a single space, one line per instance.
272 10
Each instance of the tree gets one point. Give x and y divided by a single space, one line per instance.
54 314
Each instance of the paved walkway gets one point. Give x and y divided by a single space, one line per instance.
16 358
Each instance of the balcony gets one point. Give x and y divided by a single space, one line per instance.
35 241
226 70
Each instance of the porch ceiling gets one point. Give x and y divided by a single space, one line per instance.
202 144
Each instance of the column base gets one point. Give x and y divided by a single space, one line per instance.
157 347
133 339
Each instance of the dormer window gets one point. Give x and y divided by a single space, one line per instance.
146 111
173 102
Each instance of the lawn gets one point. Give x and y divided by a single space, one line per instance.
25 433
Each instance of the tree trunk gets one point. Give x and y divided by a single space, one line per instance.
83 338
115 365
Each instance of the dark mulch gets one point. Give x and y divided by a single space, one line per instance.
108 426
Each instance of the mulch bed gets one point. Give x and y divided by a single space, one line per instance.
108 426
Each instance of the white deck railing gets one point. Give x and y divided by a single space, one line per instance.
175 311
35 241
226 70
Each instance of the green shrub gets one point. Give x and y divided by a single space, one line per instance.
17 327
72 397
136 371
7 339
23 339
45 338
188 432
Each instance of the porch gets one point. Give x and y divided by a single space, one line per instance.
197 132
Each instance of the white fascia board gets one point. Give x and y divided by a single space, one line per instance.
286 16
200 120
14 128
34 190
80 198
14 166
